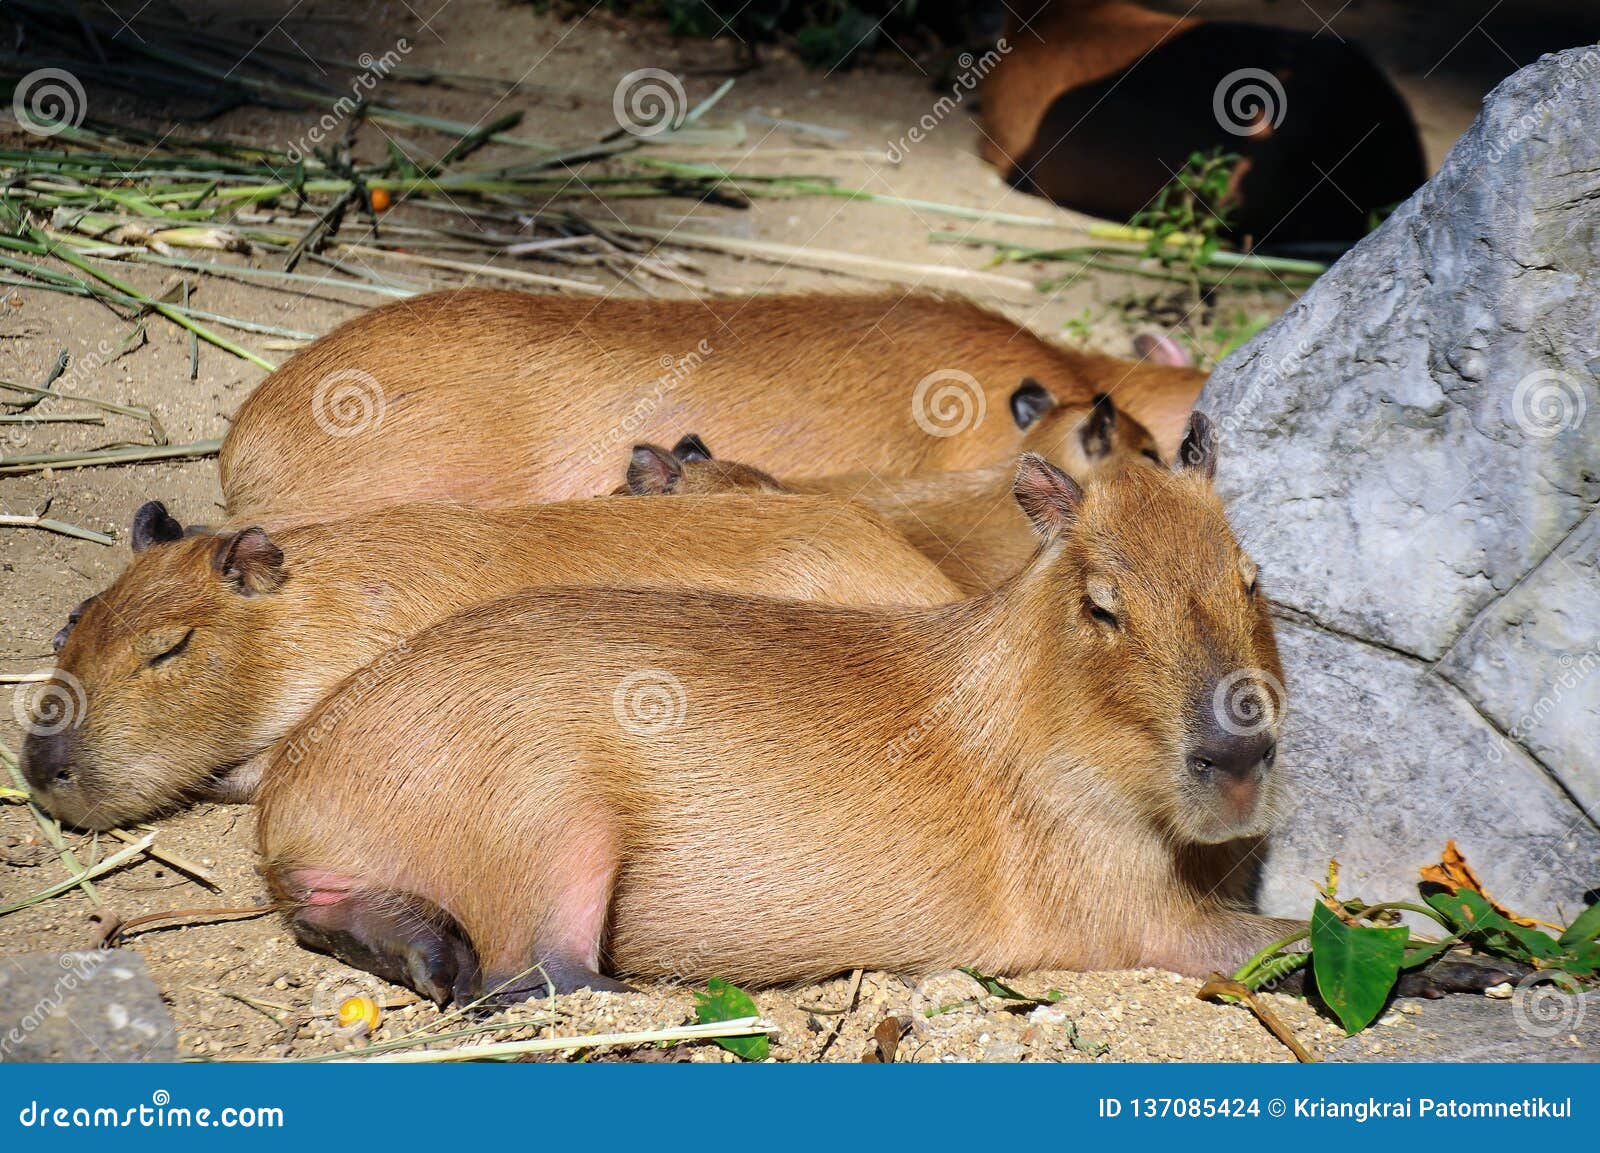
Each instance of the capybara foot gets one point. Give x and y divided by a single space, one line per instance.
398 938
551 975
1458 972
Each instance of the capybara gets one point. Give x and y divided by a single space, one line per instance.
471 396
965 522
1069 772
210 647
1098 106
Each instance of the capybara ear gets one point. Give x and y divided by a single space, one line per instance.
153 525
1095 431
1049 496
691 448
1198 452
1161 350
250 562
59 641
653 471
1031 401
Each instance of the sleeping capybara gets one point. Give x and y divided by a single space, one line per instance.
965 522
1069 772
1098 106
210 647
472 396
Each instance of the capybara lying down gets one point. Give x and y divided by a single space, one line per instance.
210 647
470 396
965 522
1069 772
1098 106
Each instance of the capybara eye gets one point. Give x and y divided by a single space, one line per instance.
1103 616
1152 454
167 654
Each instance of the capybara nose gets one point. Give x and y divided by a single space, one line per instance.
1234 758
47 760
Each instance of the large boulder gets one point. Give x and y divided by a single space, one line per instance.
1412 452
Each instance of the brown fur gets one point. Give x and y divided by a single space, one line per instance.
479 391
271 634
1066 45
965 522
1000 782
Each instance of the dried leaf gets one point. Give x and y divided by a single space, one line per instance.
1454 874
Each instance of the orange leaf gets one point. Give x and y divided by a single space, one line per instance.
1453 873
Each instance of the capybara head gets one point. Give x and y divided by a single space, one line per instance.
688 469
1177 658
158 674
1079 437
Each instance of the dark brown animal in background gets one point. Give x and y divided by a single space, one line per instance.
1098 106
965 522
471 396
209 648
1047 776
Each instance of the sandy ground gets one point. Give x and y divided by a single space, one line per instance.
228 983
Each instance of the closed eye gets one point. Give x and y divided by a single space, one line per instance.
162 658
1152 454
1103 616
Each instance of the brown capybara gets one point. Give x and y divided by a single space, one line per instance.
965 522
208 648
1069 772
1099 105
471 396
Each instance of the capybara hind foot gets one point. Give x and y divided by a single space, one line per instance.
398 938
551 975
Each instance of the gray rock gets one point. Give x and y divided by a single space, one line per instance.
1412 452
99 1006
1556 1028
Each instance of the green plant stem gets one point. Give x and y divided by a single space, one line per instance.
116 860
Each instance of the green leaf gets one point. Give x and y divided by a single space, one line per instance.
723 1001
1583 930
1474 918
1356 966
995 987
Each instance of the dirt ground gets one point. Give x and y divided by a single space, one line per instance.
229 983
